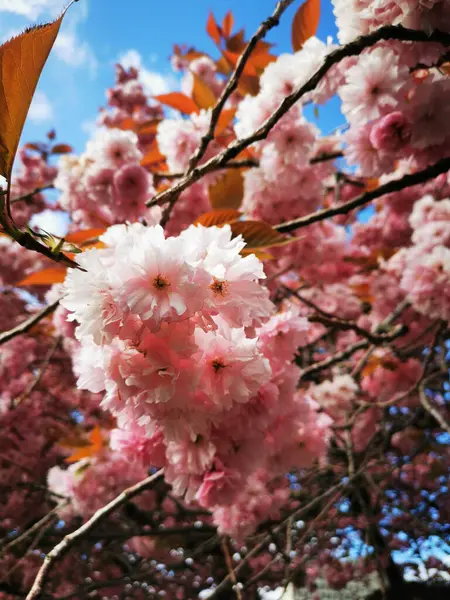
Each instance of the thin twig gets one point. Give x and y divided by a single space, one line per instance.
45 363
232 83
396 185
25 326
70 539
227 581
38 525
431 409
29 196
232 574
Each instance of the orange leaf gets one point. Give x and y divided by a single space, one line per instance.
21 61
258 234
261 254
149 127
305 23
236 42
44 277
228 191
372 183
153 156
225 119
223 66
233 57
88 450
178 101
249 85
212 29
218 218
202 94
61 149
32 146
227 24
84 235
127 124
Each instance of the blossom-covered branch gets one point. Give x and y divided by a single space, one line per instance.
388 32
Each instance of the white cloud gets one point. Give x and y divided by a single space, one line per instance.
41 108
89 126
53 221
32 9
71 50
154 83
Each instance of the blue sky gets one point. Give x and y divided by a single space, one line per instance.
96 33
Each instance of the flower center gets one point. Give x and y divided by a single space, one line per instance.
160 282
218 364
219 288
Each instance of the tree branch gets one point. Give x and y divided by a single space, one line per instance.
29 196
24 327
396 185
232 83
69 540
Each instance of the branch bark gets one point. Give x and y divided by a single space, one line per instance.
24 327
396 185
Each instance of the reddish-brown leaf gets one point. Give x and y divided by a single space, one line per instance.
258 234
149 127
305 23
32 146
223 66
212 29
202 94
127 124
153 156
236 42
21 61
228 190
178 101
249 84
47 276
225 119
233 57
227 24
218 218
88 449
61 149
261 254
84 235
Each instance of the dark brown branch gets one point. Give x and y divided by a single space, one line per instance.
70 539
248 163
29 196
28 324
232 83
326 157
343 325
389 32
395 185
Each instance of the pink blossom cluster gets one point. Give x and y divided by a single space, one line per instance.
33 173
286 185
127 101
91 483
393 114
356 17
182 336
423 269
106 184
